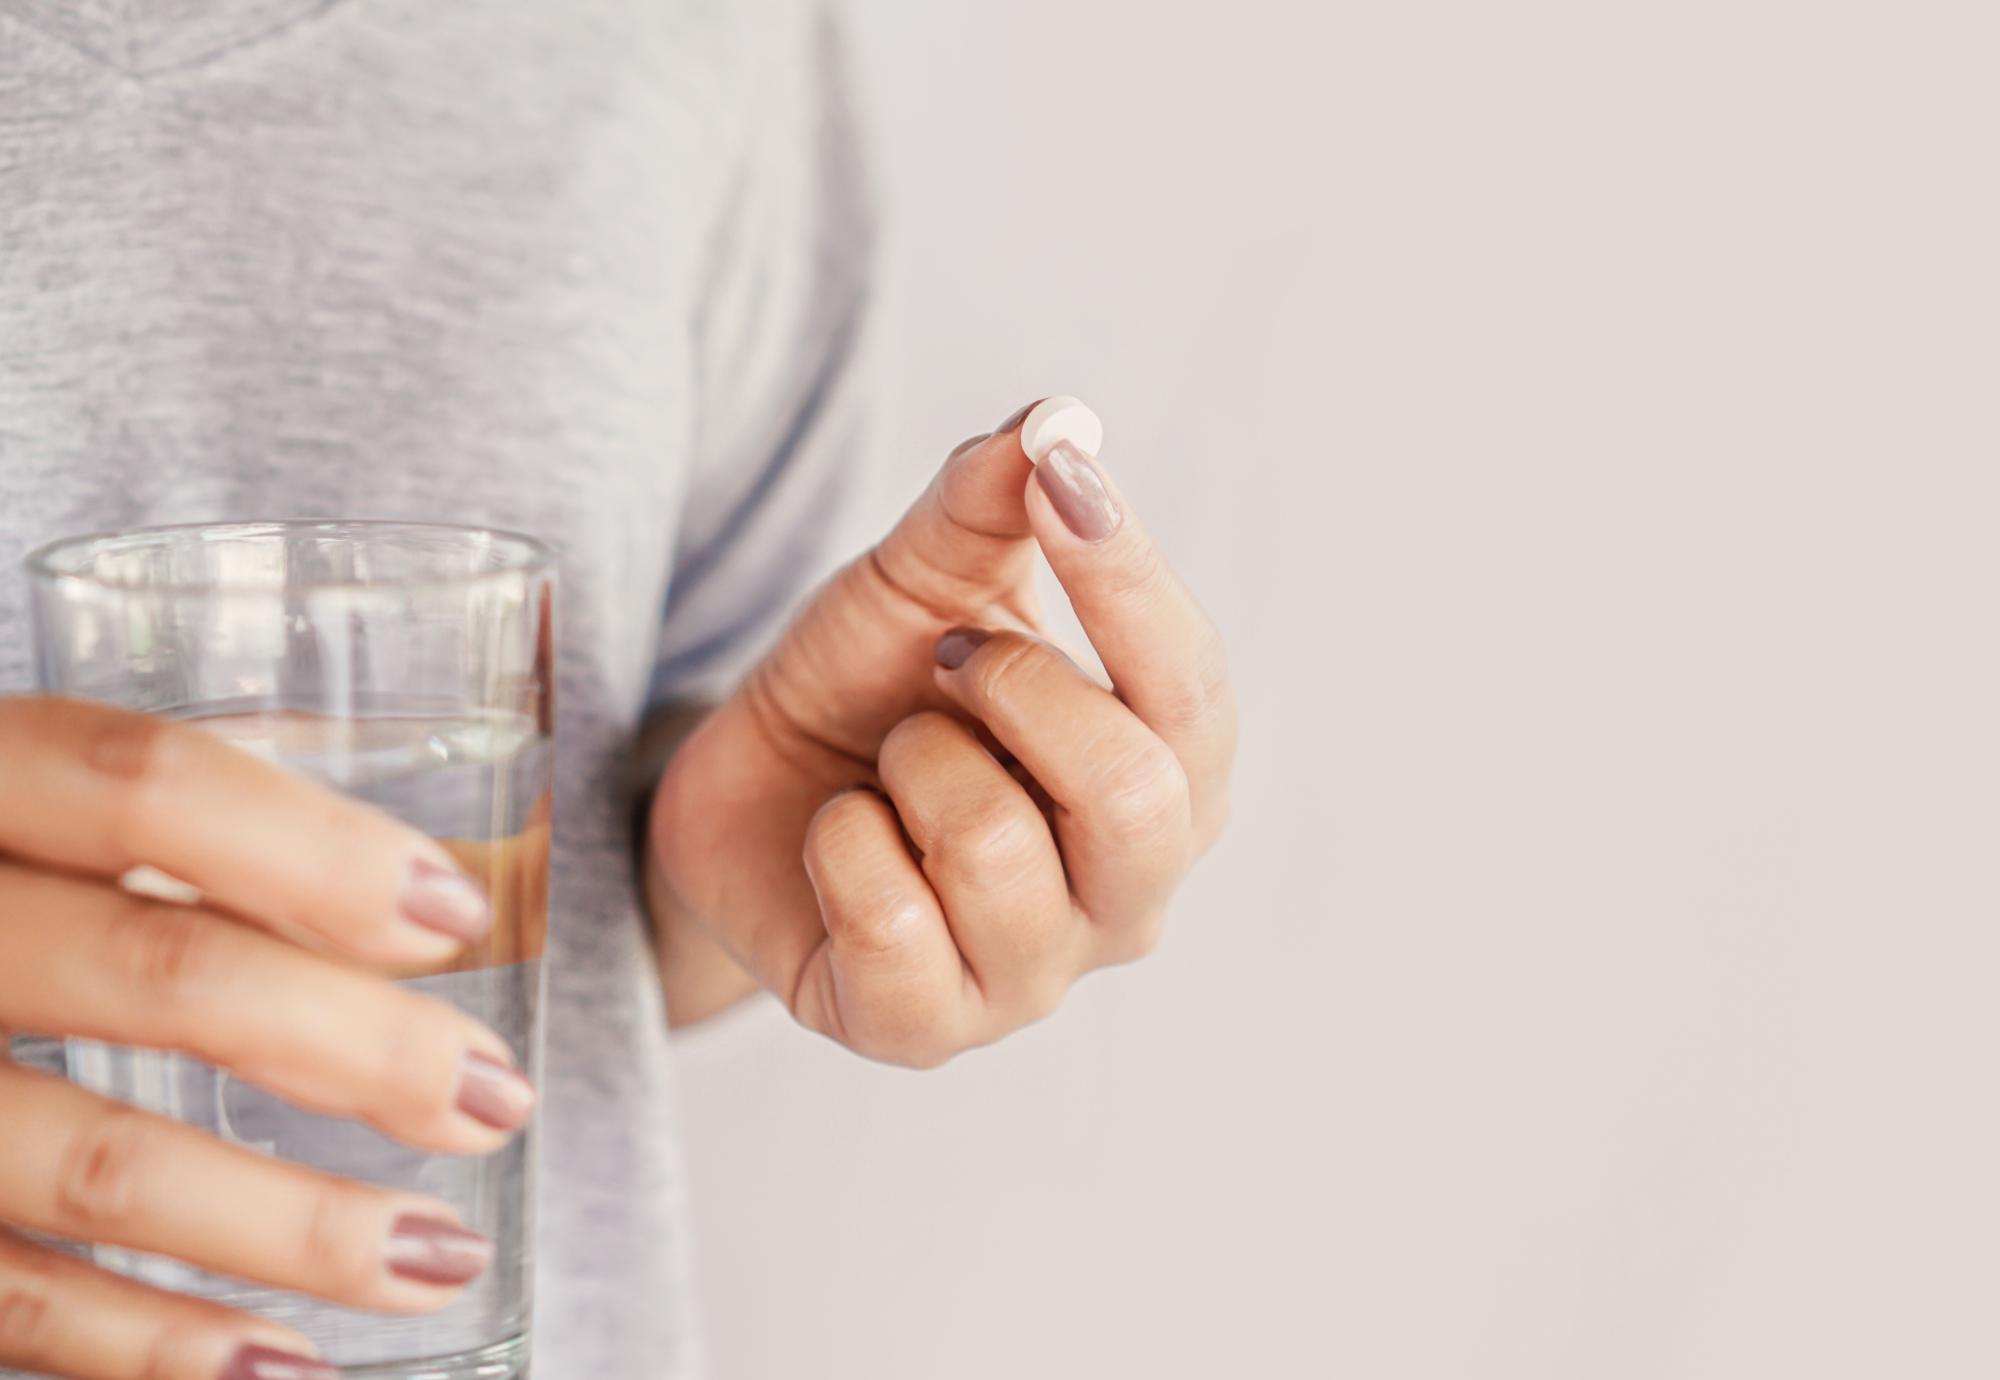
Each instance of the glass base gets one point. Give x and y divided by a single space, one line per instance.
506 1360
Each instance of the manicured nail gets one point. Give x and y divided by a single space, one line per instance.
494 1093
253 1362
968 443
434 1251
1014 417
956 647
446 900
1077 491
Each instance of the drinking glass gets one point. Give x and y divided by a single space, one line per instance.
408 665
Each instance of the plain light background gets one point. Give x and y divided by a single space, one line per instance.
1581 418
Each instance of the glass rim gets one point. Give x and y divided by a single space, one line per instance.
529 556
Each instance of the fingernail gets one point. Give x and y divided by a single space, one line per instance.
956 647
1077 491
431 1250
968 443
253 1362
1014 417
494 1093
446 900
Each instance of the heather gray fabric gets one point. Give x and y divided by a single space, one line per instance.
591 270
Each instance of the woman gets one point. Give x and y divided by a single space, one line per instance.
595 271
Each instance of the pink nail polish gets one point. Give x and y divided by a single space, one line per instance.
253 1362
446 900
431 1250
956 647
1078 492
493 1093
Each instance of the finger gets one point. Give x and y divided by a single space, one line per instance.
962 553
989 856
104 790
967 535
62 1317
84 959
80 1166
966 538
1165 658
888 981
1122 810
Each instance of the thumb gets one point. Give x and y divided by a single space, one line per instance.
967 537
857 660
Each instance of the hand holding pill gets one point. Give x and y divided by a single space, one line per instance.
919 821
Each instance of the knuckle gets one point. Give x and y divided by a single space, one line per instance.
174 1351
25 1322
131 748
138 758
29 1321
845 821
336 1250
883 925
99 1186
1142 792
997 848
173 953
1137 573
1203 700
415 1056
1005 667
324 875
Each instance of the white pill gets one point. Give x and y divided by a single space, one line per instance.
146 880
1060 419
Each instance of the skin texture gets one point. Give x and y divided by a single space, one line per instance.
919 858
279 974
918 822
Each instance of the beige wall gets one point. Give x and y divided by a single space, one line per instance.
1582 419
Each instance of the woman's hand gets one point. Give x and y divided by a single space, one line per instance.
261 979
918 822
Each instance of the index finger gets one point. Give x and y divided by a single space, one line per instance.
101 790
1165 658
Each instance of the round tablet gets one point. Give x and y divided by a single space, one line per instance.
1060 419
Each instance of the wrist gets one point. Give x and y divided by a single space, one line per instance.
698 976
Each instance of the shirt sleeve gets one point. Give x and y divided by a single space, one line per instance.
778 345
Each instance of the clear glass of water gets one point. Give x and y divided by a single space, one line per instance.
408 665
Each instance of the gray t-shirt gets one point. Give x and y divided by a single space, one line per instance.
591 270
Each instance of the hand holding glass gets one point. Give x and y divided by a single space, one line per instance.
316 1143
